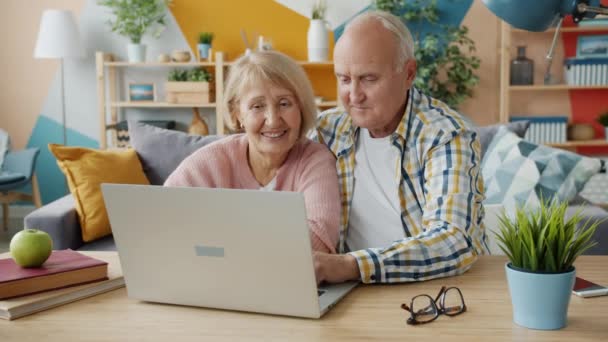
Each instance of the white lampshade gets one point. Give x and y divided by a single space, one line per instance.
58 36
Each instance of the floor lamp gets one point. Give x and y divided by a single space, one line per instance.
58 37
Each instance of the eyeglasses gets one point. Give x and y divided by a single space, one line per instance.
424 309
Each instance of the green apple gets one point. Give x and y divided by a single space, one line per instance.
31 247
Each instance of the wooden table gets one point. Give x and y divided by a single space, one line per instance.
367 313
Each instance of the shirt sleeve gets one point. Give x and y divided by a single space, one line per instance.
448 241
318 182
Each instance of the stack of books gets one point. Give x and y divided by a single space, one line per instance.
65 277
545 129
586 71
599 20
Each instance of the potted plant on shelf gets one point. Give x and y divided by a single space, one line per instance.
603 120
542 246
133 19
204 45
189 86
317 36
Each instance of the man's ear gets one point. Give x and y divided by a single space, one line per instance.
410 68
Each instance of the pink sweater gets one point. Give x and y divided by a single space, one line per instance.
310 168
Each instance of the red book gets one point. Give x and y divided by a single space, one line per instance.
63 268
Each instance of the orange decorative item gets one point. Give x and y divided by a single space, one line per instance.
198 125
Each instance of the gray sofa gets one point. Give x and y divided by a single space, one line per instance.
160 152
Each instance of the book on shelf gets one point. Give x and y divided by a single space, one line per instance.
16 307
545 129
586 71
63 268
598 20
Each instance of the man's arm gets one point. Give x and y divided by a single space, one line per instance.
450 238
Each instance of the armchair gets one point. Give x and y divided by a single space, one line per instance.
18 170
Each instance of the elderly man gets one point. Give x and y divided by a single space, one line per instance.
408 166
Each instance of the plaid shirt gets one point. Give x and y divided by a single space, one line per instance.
440 192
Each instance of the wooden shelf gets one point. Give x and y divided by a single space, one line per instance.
555 87
327 104
112 105
569 29
159 64
316 64
153 104
582 143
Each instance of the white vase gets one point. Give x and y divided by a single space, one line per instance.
136 53
318 41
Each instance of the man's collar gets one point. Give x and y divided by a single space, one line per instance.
413 96
402 129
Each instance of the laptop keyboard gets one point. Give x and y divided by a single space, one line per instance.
320 292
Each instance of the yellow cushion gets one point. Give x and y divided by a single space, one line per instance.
85 170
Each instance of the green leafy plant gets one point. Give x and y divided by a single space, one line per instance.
318 10
543 240
193 75
446 60
134 18
603 119
205 38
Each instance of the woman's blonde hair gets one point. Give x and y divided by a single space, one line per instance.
268 67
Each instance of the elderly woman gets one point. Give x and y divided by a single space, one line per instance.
269 97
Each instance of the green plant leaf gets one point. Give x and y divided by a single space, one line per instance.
134 18
542 239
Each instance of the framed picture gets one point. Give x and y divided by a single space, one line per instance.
141 92
592 46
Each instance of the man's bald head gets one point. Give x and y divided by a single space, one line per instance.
381 28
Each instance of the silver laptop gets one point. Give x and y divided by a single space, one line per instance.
218 248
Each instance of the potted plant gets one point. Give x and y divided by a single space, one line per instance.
204 44
603 120
542 246
188 86
133 19
317 36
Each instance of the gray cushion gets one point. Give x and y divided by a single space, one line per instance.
595 214
161 150
486 133
103 244
60 220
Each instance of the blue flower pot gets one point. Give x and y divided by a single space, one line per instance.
203 50
540 300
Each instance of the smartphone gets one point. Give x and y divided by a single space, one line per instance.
585 288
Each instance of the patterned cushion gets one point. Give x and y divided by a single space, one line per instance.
518 172
596 189
486 133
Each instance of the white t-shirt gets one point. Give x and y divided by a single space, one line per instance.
270 186
375 216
